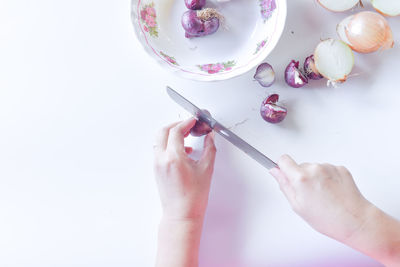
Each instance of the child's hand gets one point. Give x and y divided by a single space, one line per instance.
325 196
183 183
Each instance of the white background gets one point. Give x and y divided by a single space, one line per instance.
80 102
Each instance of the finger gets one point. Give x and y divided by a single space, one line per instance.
343 171
305 165
161 139
207 158
188 149
279 177
289 167
283 182
177 135
330 168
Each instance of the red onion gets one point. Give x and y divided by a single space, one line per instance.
201 22
310 69
293 76
191 23
201 128
265 75
195 4
270 110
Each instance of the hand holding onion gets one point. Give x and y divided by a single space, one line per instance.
201 128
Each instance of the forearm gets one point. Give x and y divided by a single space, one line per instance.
379 238
178 243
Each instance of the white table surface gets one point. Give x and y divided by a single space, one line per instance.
80 102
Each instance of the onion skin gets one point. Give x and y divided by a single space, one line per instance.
310 69
265 75
272 112
293 76
367 32
195 4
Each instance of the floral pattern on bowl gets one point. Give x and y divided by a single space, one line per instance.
267 8
260 45
217 67
171 60
149 18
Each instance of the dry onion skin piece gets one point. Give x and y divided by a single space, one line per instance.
334 60
271 111
366 32
390 8
265 75
340 5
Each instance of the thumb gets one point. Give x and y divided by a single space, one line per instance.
284 184
289 167
279 176
208 156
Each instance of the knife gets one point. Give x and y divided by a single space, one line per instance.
221 130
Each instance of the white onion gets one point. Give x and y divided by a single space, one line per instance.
366 32
334 60
389 8
340 5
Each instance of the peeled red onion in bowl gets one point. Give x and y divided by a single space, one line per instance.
197 23
195 4
192 24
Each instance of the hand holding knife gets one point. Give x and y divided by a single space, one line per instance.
221 130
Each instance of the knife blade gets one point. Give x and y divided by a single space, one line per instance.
221 130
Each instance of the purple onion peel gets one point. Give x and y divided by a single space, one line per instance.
293 76
310 69
265 75
271 111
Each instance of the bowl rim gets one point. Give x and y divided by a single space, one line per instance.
273 41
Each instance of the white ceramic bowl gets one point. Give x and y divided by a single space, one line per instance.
244 41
